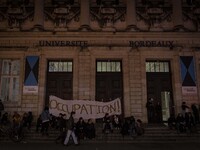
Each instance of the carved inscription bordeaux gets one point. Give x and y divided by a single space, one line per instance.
151 44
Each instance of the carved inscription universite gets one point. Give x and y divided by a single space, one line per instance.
57 43
151 43
63 43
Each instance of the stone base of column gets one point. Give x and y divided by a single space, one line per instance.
85 28
132 28
179 28
38 28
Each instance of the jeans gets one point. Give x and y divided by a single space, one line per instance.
70 133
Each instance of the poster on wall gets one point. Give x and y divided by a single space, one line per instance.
188 75
31 75
84 108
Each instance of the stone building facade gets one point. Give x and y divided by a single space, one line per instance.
100 50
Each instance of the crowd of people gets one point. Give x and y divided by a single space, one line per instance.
126 126
16 120
83 129
186 120
17 123
67 127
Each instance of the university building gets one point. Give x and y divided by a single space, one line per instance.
100 50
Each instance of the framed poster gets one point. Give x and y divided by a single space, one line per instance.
188 75
31 75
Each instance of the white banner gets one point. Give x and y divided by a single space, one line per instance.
84 108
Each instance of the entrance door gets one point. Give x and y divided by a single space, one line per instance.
59 80
109 80
108 86
159 87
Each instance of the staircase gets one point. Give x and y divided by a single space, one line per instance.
153 134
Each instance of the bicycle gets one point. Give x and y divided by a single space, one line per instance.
14 134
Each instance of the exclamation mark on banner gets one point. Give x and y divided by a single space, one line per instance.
118 106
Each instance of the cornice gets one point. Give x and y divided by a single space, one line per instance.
99 35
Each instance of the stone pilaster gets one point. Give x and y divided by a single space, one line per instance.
39 15
85 15
84 75
177 14
131 15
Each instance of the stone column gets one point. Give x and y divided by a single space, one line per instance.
39 15
131 15
177 14
85 15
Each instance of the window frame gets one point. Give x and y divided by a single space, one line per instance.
10 91
157 66
103 66
67 63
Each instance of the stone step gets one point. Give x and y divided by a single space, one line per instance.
152 134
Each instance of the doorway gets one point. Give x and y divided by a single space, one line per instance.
159 89
109 80
59 80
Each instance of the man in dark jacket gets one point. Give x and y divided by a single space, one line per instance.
184 108
45 117
1 108
70 129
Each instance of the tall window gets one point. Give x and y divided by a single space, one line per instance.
9 79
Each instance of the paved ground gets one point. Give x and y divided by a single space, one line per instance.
100 146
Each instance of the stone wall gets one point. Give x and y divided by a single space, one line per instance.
107 46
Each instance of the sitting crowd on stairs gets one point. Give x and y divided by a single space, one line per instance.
186 121
86 129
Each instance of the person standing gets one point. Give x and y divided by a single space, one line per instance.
80 128
16 120
184 108
116 122
71 130
38 123
189 122
132 126
45 117
158 112
17 123
29 119
195 112
150 110
1 107
107 123
62 128
90 129
180 123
